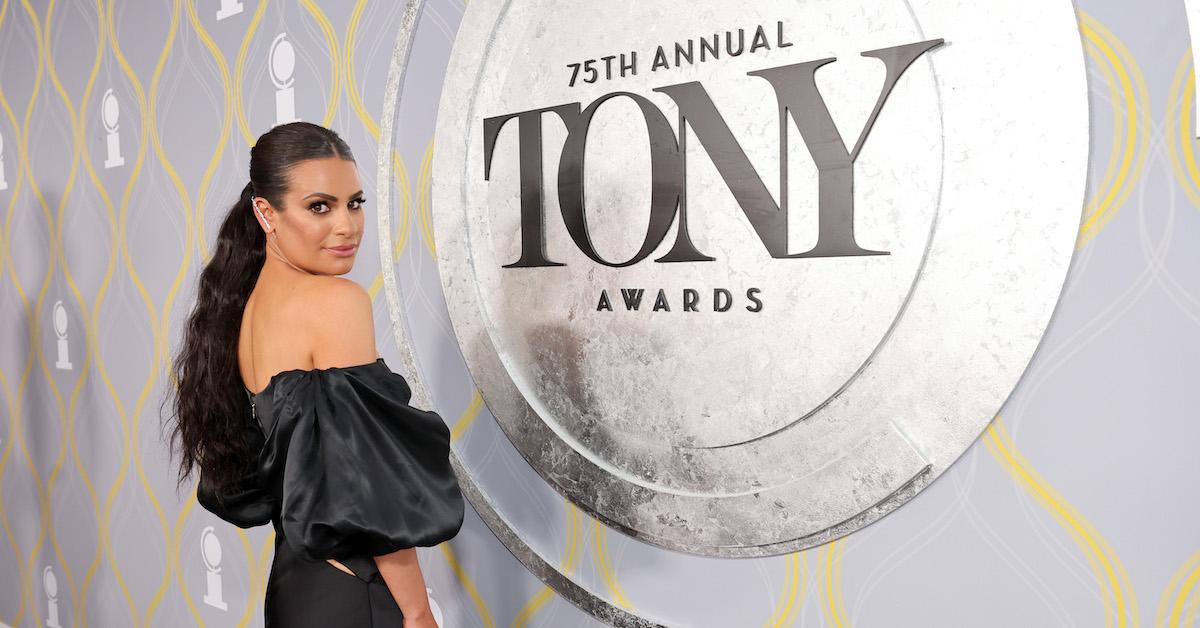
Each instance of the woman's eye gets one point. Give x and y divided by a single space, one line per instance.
354 204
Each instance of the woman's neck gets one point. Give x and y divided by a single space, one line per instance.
278 264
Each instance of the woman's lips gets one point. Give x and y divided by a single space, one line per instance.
343 251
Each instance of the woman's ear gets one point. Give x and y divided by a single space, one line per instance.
268 227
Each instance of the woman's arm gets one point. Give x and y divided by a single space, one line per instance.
343 334
402 573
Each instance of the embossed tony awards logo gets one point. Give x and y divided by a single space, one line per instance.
741 278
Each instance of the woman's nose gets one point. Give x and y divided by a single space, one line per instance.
345 222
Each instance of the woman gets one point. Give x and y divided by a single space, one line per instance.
328 449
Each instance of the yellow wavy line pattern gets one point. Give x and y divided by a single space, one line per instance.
59 255
352 94
78 142
1130 106
1179 132
195 225
1129 117
10 403
600 554
404 191
404 188
5 388
1120 601
794 586
1180 600
423 195
468 416
13 396
132 444
239 74
160 320
335 57
192 240
566 565
44 490
485 615
831 582
180 519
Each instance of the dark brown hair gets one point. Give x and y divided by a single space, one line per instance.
207 398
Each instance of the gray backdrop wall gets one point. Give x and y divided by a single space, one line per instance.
1077 507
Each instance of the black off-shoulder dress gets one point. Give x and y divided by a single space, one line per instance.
346 469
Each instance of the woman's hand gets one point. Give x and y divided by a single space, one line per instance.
402 574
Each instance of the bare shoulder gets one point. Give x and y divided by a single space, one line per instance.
340 322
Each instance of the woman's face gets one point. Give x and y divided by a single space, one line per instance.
321 226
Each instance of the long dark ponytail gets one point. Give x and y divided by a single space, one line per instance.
209 403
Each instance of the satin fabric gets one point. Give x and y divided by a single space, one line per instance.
346 469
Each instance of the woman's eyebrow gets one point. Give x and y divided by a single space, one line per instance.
330 196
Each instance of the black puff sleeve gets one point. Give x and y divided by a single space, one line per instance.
246 503
356 470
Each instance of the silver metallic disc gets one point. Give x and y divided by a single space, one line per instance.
832 389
